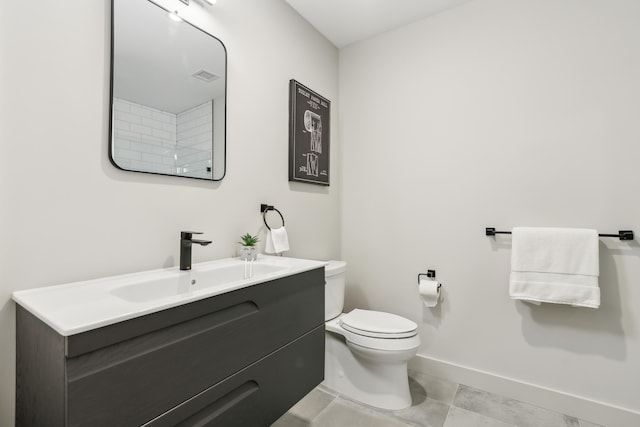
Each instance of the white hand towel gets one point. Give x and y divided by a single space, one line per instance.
277 241
556 265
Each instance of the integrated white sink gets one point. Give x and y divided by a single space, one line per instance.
202 278
81 306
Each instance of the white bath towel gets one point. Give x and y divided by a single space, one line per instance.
556 265
277 241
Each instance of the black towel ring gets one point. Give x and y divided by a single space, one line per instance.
266 208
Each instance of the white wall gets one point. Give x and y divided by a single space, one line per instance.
499 113
70 215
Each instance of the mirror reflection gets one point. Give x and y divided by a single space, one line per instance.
168 94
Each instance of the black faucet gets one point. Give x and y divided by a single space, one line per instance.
186 241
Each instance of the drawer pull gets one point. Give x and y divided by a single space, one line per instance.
220 406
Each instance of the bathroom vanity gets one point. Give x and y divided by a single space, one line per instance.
240 352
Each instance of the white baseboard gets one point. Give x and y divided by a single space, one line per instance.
579 407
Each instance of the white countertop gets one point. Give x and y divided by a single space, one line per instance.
77 307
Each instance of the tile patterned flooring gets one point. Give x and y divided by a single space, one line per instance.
436 403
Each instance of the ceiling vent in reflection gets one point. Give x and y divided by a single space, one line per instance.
205 76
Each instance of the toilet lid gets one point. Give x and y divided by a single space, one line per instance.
378 324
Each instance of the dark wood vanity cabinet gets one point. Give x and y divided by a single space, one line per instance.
238 359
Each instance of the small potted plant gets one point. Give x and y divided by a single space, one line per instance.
248 251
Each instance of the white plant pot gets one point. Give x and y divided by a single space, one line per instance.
248 253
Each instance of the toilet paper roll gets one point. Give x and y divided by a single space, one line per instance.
429 292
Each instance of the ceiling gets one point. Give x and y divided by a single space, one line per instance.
165 55
348 21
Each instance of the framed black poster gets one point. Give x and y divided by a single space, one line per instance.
309 125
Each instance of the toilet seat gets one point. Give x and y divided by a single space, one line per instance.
389 342
378 324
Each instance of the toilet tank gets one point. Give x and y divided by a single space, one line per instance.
334 274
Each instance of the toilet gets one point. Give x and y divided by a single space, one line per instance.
366 352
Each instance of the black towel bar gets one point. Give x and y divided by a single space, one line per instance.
622 234
264 208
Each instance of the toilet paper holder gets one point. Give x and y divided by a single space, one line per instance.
431 274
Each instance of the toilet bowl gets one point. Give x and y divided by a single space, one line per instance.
366 352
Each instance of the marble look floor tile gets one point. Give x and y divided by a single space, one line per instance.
435 388
425 413
312 404
462 418
324 407
584 423
342 412
290 420
508 410
326 389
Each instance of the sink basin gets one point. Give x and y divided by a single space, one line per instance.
81 306
198 279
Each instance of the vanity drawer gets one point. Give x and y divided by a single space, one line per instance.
281 291
190 348
259 394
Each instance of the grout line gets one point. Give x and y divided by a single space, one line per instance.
444 424
455 395
311 421
446 418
